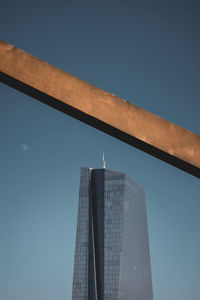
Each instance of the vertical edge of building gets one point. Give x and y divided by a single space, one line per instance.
81 258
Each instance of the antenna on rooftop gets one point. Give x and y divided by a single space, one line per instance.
104 163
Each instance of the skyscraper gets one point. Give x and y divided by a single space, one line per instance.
112 260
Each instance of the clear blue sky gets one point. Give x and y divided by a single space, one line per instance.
147 52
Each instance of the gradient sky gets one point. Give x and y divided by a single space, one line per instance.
147 52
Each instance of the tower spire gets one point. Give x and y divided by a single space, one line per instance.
104 163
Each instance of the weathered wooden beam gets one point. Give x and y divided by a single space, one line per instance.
100 109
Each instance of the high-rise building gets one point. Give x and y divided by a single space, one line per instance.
112 260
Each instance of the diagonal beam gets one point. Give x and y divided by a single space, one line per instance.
100 109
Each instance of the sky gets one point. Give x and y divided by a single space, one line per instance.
147 52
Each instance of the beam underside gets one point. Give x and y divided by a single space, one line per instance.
104 120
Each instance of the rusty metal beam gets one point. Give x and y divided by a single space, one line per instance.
100 109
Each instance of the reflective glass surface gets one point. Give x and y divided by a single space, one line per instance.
112 256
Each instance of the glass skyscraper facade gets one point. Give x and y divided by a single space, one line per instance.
112 260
